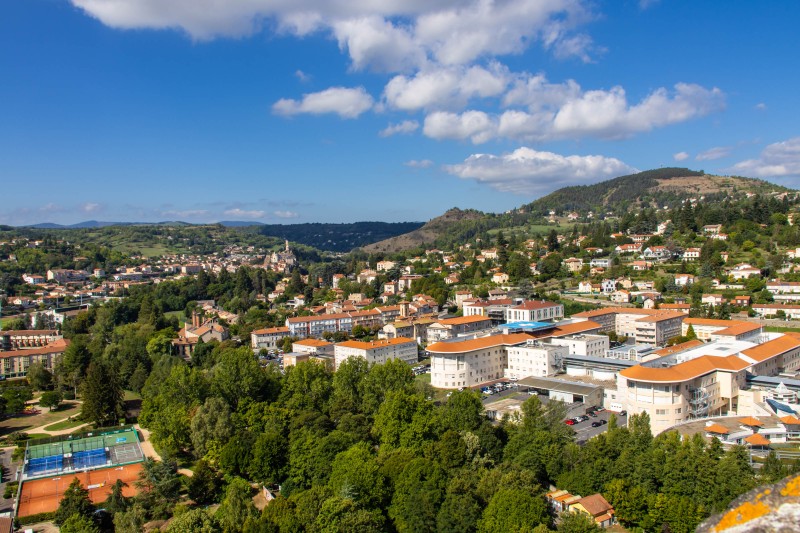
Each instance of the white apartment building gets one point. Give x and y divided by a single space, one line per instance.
534 358
313 347
646 326
591 345
450 328
534 311
267 338
473 362
687 385
378 351
708 329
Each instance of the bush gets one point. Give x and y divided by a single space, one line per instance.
11 489
34 518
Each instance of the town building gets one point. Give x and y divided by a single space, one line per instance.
450 328
377 351
268 338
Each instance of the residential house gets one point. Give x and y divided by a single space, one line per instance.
620 296
573 264
625 249
712 299
500 277
656 253
691 254
744 271
684 280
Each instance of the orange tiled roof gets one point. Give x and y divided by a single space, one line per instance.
459 320
676 348
267 331
791 420
750 421
757 439
317 343
369 345
479 343
686 370
717 428
772 348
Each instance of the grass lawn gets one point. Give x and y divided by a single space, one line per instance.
24 423
130 396
180 314
778 329
65 424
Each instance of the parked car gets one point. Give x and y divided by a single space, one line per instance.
623 413
598 423
569 422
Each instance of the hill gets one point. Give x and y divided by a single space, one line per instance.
652 188
455 223
338 237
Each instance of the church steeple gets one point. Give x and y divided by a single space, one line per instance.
287 245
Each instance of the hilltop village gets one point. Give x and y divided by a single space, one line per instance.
672 326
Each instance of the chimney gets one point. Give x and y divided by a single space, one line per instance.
195 319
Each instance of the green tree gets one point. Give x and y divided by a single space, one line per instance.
102 396
39 377
355 475
418 493
513 509
194 521
117 501
577 523
204 483
342 515
211 423
51 399
79 524
74 502
237 507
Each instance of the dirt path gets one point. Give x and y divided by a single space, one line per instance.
149 451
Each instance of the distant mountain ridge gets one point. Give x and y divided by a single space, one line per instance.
651 188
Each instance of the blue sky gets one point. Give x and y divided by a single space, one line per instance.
397 110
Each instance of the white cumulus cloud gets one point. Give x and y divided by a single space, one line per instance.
423 163
781 159
528 171
712 154
573 114
477 126
680 156
343 101
386 35
250 214
91 207
285 214
404 127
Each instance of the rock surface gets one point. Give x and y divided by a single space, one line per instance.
769 509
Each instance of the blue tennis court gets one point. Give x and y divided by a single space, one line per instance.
41 465
89 458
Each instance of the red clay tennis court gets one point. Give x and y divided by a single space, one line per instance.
44 495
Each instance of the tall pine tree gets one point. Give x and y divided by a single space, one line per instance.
102 396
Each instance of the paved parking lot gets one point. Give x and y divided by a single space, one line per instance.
584 430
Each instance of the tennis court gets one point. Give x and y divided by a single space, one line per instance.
62 455
44 495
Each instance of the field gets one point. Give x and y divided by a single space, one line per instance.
64 424
530 230
24 423
778 329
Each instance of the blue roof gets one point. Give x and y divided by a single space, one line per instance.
527 325
779 407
